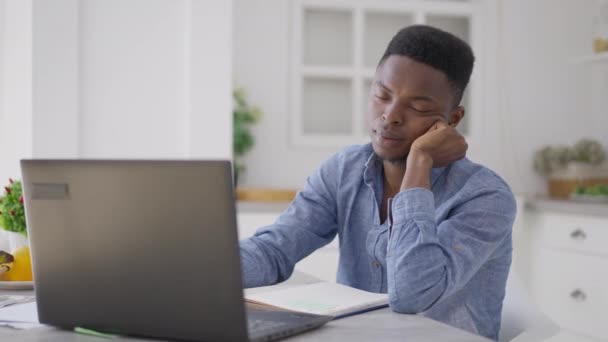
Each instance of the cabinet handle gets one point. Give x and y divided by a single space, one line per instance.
578 234
578 295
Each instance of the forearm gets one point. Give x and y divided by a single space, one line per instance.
269 256
429 261
417 172
416 271
416 262
257 266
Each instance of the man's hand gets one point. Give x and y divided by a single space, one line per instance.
442 143
438 147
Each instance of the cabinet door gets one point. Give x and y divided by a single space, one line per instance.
577 233
573 290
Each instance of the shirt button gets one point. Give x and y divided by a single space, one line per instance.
375 263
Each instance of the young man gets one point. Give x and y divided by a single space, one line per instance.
415 218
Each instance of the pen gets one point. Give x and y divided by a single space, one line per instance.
89 332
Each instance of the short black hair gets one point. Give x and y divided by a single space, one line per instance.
438 49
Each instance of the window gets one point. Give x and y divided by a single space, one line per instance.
336 46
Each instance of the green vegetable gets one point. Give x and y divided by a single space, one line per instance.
12 213
593 190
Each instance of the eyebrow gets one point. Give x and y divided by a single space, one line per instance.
383 86
414 98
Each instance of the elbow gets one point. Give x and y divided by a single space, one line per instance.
407 305
409 300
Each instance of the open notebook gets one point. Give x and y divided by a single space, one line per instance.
322 298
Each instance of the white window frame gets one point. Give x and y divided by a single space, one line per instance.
358 72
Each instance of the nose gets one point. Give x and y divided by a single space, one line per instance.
391 116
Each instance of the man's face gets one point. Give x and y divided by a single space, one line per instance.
407 98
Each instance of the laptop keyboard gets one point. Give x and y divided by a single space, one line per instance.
261 324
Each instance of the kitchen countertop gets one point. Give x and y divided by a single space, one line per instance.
567 206
249 207
532 202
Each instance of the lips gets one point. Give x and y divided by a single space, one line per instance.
389 136
389 140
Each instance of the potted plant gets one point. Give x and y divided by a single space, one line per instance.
244 115
16 265
567 168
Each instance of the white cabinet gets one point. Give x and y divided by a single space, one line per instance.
575 233
567 262
572 289
322 263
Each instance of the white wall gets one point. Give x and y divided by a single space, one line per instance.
543 98
16 86
210 96
54 68
115 79
2 4
532 94
261 56
597 74
167 94
133 78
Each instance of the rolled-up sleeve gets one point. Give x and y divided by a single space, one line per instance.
429 261
309 223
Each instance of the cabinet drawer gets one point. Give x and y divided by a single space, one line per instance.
572 289
575 232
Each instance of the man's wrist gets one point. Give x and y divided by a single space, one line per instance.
417 158
417 172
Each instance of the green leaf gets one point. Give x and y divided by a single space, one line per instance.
10 204
244 115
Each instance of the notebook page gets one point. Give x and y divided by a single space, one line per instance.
322 299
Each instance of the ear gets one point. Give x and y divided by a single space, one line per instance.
455 116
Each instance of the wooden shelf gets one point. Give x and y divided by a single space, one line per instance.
594 58
566 206
265 194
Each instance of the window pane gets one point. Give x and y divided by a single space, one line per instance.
326 106
458 26
327 38
367 88
378 31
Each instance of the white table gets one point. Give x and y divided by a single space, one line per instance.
379 325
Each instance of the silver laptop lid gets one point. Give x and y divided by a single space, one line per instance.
139 247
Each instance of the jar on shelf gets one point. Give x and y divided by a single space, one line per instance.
600 27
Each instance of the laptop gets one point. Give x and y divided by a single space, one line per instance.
145 248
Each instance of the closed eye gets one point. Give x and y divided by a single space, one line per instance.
423 110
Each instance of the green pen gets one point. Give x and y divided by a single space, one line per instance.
90 332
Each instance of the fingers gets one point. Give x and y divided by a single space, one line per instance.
442 124
436 125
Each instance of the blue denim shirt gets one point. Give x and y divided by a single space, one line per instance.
444 253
